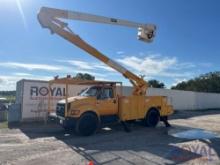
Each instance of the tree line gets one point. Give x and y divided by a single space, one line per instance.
209 82
7 93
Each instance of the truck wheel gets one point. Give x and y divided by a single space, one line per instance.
87 124
152 118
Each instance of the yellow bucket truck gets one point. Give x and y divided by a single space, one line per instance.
84 112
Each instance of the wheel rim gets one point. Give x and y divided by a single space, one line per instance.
88 125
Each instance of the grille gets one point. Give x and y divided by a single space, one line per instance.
60 110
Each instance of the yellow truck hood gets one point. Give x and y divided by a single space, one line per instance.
71 99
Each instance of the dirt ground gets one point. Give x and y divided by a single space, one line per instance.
38 143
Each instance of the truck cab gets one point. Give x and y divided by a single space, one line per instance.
98 100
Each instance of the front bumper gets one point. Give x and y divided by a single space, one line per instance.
67 122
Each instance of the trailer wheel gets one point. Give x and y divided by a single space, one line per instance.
87 124
152 118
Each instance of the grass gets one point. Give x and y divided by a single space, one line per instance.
10 99
3 125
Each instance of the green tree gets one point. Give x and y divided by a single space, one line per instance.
84 76
156 84
209 82
9 95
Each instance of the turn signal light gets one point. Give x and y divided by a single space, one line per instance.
75 112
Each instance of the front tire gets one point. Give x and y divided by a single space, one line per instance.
152 118
87 124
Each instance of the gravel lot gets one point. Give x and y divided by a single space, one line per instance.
37 143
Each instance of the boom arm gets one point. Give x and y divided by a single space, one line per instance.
51 19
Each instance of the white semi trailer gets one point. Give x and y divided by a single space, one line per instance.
32 95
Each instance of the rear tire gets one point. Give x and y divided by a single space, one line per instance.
152 118
87 124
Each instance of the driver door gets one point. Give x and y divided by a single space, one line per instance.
107 103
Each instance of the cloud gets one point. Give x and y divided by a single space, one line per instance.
58 69
104 67
80 64
152 65
1 80
22 74
155 66
80 67
9 82
31 66
148 65
177 81
86 66
185 65
22 13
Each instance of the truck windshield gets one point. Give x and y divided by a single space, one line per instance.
93 91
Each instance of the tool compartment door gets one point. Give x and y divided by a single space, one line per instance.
131 107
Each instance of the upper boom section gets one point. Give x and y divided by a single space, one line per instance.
51 19
146 32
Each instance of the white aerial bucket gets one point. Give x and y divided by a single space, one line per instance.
146 33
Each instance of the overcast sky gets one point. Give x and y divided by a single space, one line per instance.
186 43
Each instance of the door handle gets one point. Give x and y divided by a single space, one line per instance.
114 101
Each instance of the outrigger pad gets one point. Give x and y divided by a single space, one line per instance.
126 127
164 119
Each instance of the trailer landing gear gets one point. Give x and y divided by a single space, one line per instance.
164 119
